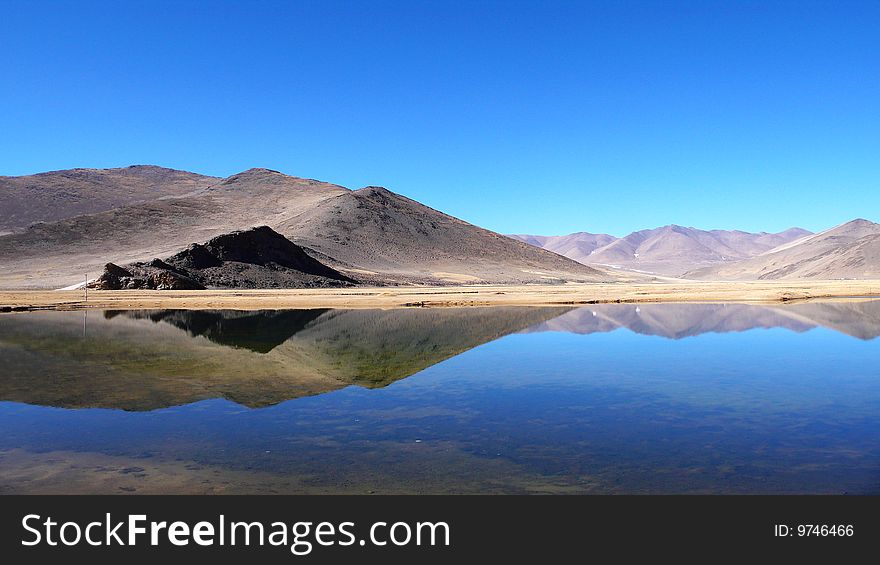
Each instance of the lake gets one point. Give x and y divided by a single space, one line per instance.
618 398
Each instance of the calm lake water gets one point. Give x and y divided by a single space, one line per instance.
659 398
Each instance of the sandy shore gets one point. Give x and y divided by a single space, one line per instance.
391 297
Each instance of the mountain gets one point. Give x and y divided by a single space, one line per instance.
851 250
386 235
57 195
255 258
577 246
371 234
669 250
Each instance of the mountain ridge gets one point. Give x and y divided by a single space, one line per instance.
669 250
62 194
60 225
374 234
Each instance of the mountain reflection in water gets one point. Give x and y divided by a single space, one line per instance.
605 398
143 360
148 359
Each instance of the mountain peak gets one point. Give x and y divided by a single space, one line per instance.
854 228
374 190
673 228
255 173
795 230
860 222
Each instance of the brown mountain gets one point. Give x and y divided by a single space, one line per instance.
57 195
370 234
851 250
384 235
670 250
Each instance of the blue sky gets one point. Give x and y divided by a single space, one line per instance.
530 117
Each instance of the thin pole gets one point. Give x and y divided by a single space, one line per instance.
86 288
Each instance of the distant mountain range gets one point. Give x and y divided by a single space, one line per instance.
669 250
55 227
848 251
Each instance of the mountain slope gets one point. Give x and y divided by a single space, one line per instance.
851 250
857 260
57 195
377 230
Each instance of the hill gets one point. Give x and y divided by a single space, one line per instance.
57 195
386 236
255 258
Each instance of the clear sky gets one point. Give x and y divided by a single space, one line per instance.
530 117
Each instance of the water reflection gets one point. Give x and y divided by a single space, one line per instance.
144 360
602 399
859 319
260 331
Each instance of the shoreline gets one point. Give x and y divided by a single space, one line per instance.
445 296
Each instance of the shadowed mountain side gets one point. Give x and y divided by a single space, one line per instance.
77 360
57 195
383 233
859 259
677 321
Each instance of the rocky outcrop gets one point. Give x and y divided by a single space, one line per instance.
155 275
255 258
